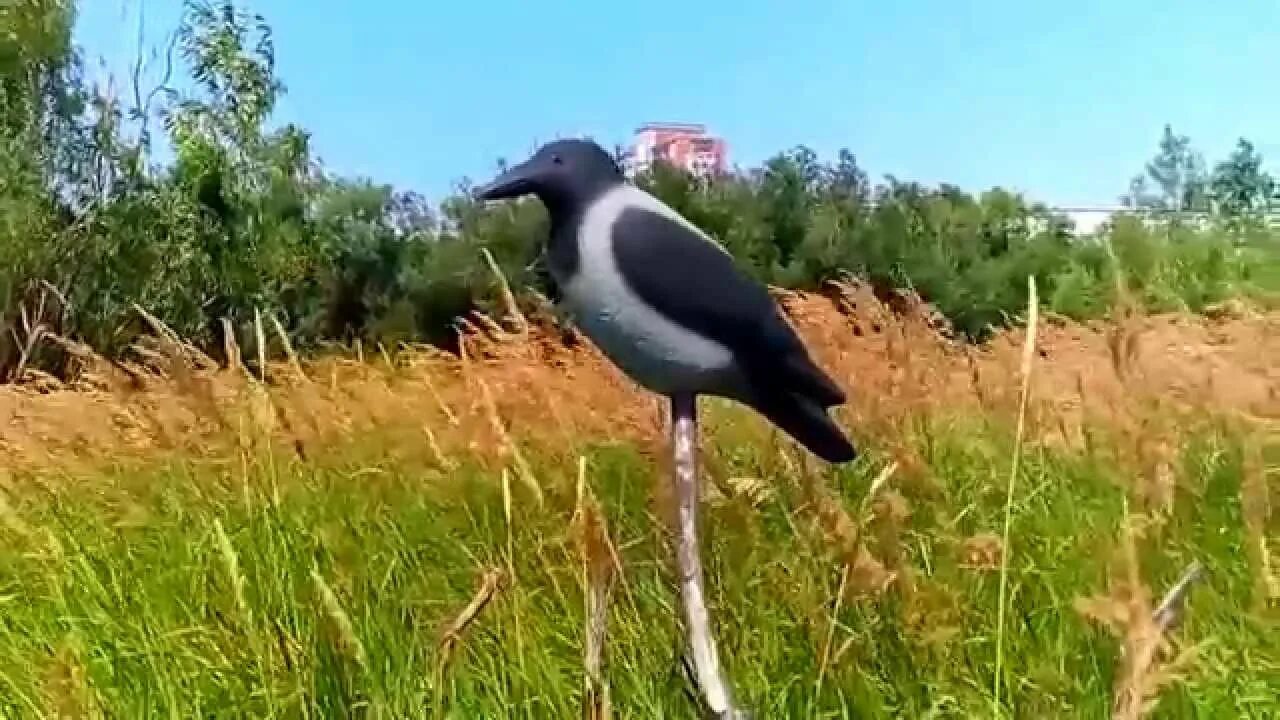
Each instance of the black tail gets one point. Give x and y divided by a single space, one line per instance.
809 424
807 378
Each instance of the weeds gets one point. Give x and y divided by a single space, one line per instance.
353 569
235 575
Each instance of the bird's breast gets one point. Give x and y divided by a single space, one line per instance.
653 349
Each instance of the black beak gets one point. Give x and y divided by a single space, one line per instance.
514 182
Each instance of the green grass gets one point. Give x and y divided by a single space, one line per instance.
116 592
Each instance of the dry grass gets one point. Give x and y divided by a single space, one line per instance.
876 569
174 399
1147 658
599 563
1028 363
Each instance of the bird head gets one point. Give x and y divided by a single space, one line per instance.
562 174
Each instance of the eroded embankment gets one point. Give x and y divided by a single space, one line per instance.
544 388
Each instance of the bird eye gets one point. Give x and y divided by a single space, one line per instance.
557 159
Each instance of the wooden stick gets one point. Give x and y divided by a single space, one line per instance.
1166 614
706 664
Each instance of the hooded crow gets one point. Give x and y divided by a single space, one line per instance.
665 302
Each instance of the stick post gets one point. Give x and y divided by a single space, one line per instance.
702 648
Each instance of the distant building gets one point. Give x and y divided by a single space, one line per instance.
1089 220
683 145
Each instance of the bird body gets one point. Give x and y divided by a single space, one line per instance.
670 308
665 302
600 294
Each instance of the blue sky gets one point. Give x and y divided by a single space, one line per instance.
1063 104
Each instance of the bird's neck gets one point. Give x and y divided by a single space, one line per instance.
560 207
565 203
566 214
562 241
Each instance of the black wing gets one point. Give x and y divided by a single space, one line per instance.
696 284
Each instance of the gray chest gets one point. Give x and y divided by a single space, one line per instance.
649 347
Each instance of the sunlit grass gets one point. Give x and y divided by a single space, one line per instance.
187 590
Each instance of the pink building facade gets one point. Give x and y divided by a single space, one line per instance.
683 145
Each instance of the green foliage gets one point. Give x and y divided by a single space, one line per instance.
243 219
1242 190
1178 174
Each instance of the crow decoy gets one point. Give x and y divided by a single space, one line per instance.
668 306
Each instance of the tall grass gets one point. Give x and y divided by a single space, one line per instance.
327 587
425 543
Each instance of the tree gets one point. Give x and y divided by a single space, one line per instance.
1178 174
1241 190
241 217
787 187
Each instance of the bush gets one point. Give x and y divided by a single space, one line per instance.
244 220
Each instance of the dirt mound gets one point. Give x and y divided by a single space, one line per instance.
545 385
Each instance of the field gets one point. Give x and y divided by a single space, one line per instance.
411 534
1061 513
